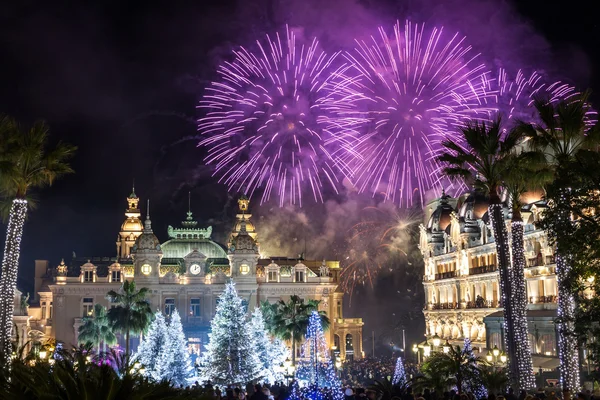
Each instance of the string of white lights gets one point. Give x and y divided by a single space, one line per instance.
8 281
567 344
503 255
524 365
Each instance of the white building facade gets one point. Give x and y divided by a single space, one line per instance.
461 278
188 273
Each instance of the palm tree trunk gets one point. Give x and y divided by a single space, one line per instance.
524 366
127 341
567 343
8 281
293 349
496 215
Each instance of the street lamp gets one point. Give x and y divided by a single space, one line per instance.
493 356
426 349
289 370
436 341
496 351
446 347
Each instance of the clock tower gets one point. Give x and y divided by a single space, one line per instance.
243 254
195 264
147 254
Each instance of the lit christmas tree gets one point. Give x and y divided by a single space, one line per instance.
149 351
175 362
316 367
399 373
230 357
474 383
271 353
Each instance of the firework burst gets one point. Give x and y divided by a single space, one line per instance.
514 96
382 234
275 120
418 86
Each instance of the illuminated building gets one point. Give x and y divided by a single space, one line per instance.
461 279
187 272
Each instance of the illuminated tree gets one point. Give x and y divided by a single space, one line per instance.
271 352
482 160
316 366
564 134
230 356
149 350
175 364
26 162
399 373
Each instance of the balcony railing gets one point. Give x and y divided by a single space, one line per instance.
444 306
483 304
446 275
542 299
483 269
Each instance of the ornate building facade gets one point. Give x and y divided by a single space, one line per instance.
188 273
461 279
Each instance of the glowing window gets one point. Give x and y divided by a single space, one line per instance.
244 269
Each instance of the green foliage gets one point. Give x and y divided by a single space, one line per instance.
27 161
133 313
483 159
289 321
456 368
97 328
72 376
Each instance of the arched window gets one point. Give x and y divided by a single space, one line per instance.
349 348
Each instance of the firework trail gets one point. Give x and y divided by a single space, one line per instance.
275 122
381 234
514 96
418 86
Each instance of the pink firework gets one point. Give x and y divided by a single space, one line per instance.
418 85
275 122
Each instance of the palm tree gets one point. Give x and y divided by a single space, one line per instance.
494 379
132 314
96 328
526 173
563 135
26 162
484 160
290 320
457 366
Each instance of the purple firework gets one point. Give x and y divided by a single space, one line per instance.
274 121
418 86
514 96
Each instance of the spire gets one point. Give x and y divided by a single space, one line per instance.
148 222
133 195
189 220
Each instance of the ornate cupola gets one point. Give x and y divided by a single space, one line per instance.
61 273
243 251
131 228
147 253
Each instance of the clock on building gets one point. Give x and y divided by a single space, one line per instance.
195 269
146 269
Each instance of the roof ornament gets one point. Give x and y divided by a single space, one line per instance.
148 222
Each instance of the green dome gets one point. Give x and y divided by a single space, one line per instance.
179 248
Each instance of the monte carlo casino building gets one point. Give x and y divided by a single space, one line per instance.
187 272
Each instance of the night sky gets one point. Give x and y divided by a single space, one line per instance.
121 80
